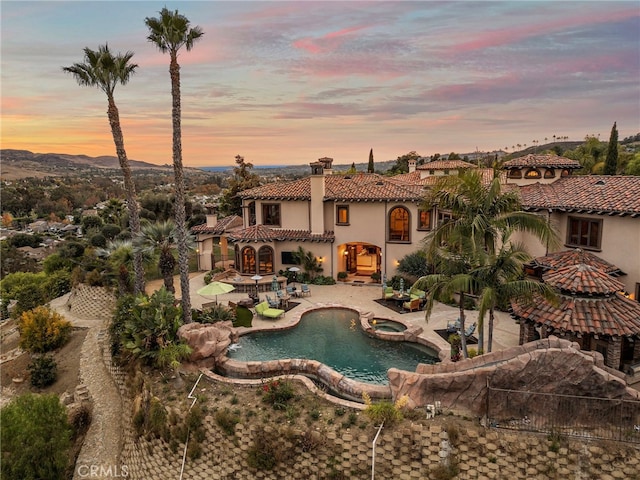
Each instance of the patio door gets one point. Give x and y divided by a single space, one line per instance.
352 259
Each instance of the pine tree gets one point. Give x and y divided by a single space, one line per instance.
611 163
370 168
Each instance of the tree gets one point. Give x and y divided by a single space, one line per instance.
105 71
501 277
120 254
370 167
402 163
36 438
611 163
482 218
159 240
308 261
170 32
243 179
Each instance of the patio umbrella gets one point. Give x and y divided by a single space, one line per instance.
295 271
216 288
275 286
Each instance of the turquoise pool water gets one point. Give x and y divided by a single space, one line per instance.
334 337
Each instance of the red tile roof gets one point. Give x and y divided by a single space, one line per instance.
445 165
572 257
598 194
261 233
582 279
224 224
357 187
549 161
613 315
430 180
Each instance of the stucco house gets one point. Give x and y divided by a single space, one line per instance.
597 213
365 223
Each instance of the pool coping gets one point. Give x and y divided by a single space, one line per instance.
351 390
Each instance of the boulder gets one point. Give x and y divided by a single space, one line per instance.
208 341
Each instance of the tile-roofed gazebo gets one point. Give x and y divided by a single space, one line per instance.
571 257
591 310
596 194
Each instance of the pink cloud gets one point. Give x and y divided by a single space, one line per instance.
506 36
327 43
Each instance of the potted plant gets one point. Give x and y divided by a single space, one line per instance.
375 276
342 276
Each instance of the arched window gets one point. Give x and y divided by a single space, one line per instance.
515 173
265 260
399 224
565 173
549 173
248 260
532 173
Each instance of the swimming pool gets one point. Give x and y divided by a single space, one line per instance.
334 337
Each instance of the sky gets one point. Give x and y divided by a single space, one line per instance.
289 82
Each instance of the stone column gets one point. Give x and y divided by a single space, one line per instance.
614 352
527 332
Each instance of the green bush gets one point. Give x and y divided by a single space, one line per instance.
323 280
42 330
263 454
384 411
277 393
35 438
43 371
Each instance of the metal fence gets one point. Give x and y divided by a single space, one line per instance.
569 415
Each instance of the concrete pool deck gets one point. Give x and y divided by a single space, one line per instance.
363 296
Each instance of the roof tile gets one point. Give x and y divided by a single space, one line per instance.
534 160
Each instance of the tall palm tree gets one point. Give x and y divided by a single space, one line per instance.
483 218
170 32
104 70
159 240
502 278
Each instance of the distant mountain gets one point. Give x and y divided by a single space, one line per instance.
23 163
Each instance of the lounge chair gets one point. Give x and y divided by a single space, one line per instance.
305 290
263 310
412 305
470 330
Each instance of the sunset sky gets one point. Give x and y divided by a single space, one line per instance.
290 82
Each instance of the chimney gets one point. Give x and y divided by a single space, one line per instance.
211 220
326 165
412 165
316 207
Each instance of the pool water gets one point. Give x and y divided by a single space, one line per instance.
334 337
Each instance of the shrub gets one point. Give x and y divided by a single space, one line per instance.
263 454
42 330
323 280
227 421
342 276
385 411
35 438
43 371
217 313
277 393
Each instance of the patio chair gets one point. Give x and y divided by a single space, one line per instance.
283 298
305 290
412 305
470 330
291 291
272 302
453 327
387 293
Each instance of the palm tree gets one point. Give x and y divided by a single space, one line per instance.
170 32
104 70
120 254
483 218
502 279
159 240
